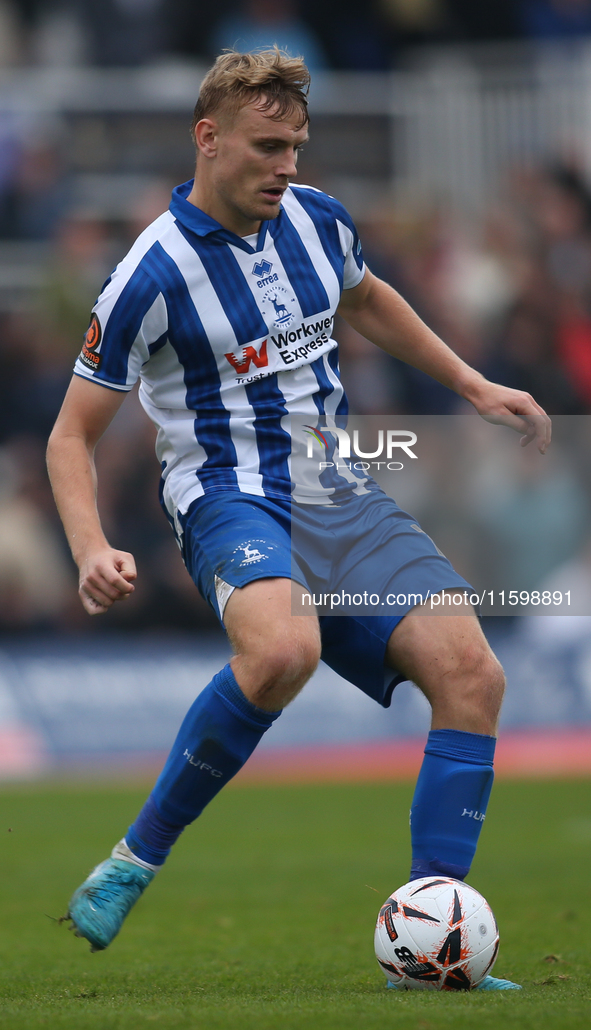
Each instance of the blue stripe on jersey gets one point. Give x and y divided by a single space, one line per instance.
123 325
226 277
262 236
187 335
298 264
326 226
273 442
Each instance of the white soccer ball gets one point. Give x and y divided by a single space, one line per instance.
436 934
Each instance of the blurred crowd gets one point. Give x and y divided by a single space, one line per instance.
511 294
331 33
509 290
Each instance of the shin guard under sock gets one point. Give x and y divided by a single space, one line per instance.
218 734
449 803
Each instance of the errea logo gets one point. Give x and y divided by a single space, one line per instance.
262 269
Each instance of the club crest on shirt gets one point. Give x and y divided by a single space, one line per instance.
92 338
275 306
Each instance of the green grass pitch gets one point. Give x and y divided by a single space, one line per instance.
263 918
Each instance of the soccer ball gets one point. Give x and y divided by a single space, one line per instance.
436 934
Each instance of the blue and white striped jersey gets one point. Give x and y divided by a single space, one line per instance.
231 339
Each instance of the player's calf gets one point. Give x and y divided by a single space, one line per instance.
449 658
218 734
276 654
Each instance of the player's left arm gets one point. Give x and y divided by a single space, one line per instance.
380 314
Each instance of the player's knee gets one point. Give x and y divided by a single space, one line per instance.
496 682
292 661
480 684
279 670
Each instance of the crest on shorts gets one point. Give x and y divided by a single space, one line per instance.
251 555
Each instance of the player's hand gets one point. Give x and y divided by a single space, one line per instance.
105 577
516 409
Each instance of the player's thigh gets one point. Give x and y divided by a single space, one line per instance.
450 660
260 614
428 647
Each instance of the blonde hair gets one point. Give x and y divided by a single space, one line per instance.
272 77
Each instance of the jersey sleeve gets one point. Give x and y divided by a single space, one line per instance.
337 233
354 268
129 321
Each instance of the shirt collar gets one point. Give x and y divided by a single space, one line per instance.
190 216
197 221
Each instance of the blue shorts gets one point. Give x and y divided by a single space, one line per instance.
366 547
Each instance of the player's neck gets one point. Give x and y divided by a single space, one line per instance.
209 201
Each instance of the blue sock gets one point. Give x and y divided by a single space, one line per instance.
219 732
449 803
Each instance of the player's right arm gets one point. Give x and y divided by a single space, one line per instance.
106 575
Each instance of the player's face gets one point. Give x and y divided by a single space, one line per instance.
255 157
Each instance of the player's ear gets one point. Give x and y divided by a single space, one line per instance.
206 137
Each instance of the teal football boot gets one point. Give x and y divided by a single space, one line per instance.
490 983
98 908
